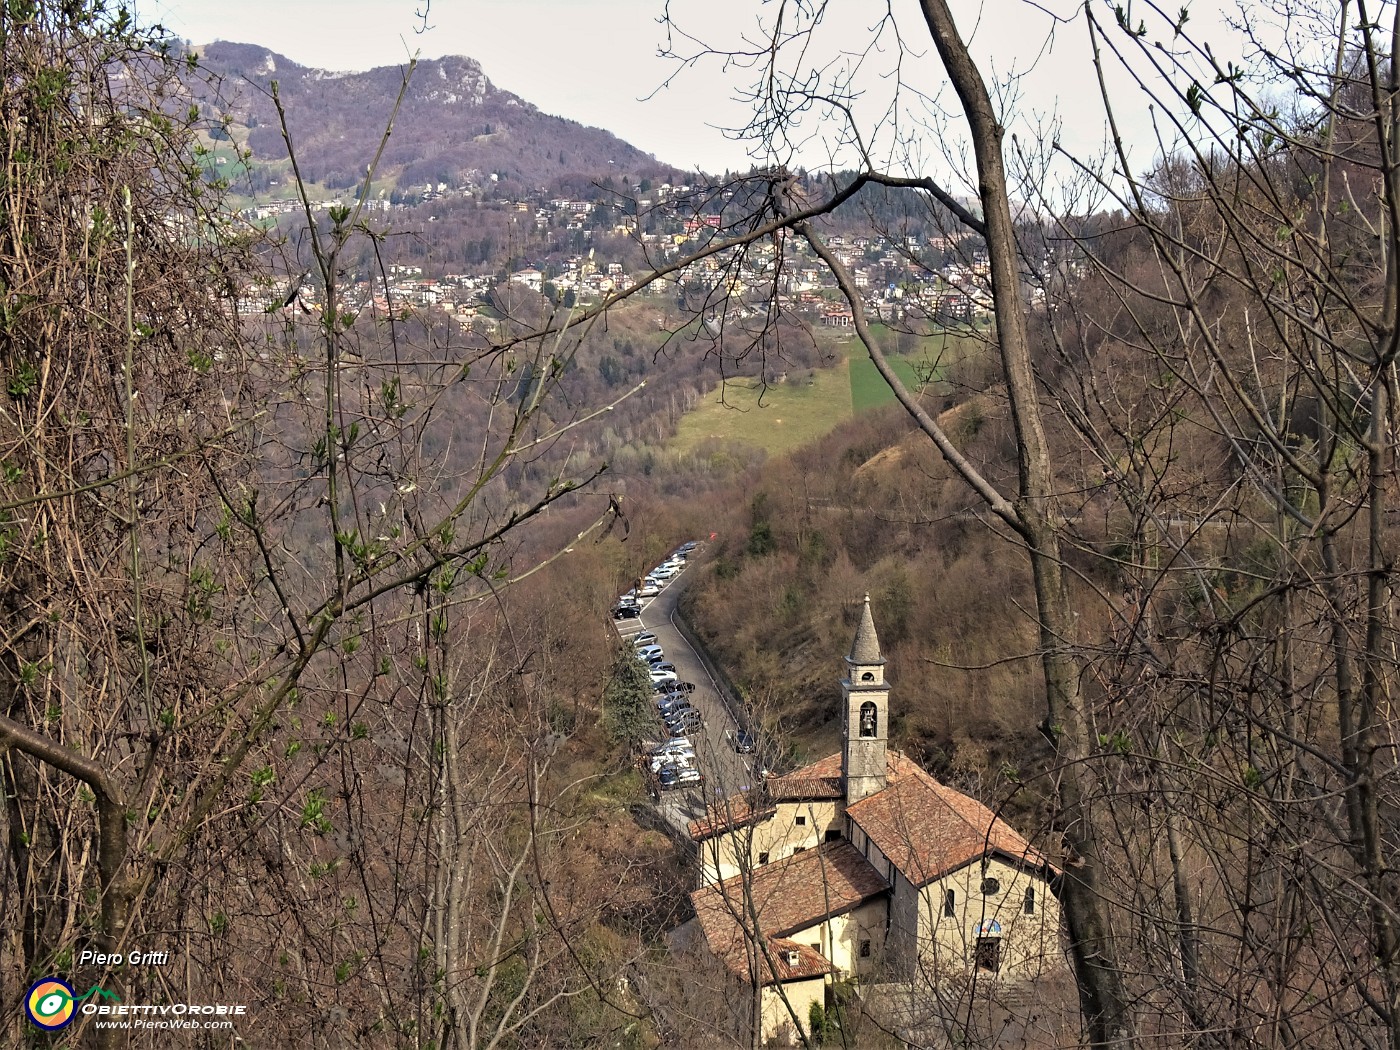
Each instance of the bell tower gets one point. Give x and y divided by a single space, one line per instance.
867 702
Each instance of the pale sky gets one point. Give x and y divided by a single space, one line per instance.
595 61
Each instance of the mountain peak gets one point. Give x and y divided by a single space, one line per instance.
453 124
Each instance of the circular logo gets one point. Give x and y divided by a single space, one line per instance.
50 1004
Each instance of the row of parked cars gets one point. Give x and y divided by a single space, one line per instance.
629 605
673 761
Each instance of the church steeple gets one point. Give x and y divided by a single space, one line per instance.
865 648
866 696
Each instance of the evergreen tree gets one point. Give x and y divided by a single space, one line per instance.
627 699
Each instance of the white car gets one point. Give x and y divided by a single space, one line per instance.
674 757
663 676
648 590
663 572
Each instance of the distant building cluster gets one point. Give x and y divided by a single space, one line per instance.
941 279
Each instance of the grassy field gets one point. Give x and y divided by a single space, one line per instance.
786 417
869 389
792 414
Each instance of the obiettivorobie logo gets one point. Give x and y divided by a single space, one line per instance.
51 1002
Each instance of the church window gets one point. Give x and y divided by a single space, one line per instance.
991 887
865 949
1030 900
763 857
950 903
867 718
801 821
869 676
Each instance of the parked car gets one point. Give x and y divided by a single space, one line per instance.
663 572
674 706
681 758
655 658
683 687
663 676
693 725
626 612
685 721
646 652
644 638
648 590
663 666
671 777
690 722
745 743
675 741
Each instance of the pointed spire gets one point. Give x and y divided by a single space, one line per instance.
866 647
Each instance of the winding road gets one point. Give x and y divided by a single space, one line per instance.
725 771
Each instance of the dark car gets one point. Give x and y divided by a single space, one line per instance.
674 708
672 777
678 687
745 743
685 722
627 612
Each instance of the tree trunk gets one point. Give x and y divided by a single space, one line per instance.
1102 998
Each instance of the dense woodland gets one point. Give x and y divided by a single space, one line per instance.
305 615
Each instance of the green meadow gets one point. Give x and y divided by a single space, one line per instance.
788 415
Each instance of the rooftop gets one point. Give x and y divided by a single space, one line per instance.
725 814
822 779
928 829
787 896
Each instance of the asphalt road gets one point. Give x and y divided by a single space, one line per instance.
725 771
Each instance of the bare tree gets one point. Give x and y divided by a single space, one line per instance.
224 562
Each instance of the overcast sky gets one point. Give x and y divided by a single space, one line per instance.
596 61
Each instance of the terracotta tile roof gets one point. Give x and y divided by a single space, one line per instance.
787 896
726 813
928 829
822 778
819 780
810 962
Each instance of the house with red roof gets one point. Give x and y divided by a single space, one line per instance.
870 867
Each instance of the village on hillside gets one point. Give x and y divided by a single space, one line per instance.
941 278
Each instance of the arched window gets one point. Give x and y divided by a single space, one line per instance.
867 718
1030 900
869 676
950 903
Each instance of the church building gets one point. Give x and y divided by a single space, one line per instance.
863 865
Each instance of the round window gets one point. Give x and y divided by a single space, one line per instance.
991 887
